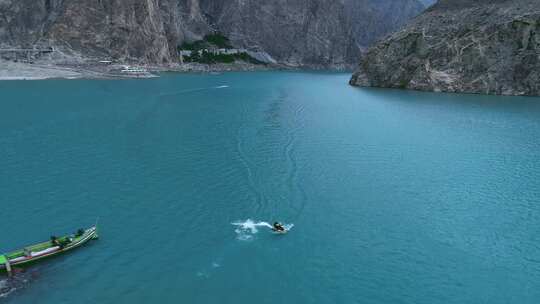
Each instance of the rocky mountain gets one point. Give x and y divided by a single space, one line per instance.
372 20
472 46
295 32
145 30
313 32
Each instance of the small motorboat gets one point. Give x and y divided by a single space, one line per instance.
278 228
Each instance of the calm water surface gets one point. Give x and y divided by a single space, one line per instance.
395 197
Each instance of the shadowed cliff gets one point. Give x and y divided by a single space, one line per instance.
490 47
295 32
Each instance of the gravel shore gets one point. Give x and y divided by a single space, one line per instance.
24 71
38 70
10 70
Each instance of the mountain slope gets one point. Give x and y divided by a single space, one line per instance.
309 31
473 46
295 32
372 20
127 29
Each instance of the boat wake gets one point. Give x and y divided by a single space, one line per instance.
5 290
245 231
17 282
177 93
288 227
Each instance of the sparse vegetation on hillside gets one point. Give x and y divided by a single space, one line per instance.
199 51
218 40
210 58
215 40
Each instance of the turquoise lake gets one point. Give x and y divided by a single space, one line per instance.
395 196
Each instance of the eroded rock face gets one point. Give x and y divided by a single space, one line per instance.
312 32
296 32
372 20
101 27
121 29
471 46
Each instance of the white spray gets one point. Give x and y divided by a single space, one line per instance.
246 230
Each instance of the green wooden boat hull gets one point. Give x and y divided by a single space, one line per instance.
38 252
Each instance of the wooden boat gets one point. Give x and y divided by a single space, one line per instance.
47 249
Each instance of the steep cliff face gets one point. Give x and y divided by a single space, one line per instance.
121 29
23 22
296 32
473 46
293 31
310 31
106 27
371 20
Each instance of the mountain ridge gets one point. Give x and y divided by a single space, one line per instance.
295 32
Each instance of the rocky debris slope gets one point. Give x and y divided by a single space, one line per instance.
145 30
471 46
295 32
309 32
372 20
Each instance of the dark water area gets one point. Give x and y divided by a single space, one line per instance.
395 196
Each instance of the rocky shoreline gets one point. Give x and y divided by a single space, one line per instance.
40 71
24 71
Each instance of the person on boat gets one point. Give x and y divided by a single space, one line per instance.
54 241
278 227
27 253
79 233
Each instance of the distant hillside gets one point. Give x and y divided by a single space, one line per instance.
294 32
